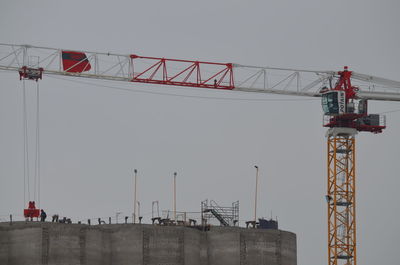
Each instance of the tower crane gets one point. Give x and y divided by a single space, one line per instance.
344 97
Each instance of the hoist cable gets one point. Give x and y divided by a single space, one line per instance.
35 167
26 145
37 158
23 132
28 186
36 145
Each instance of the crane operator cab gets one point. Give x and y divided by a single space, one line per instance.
334 102
340 111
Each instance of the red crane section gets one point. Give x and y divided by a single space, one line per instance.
183 73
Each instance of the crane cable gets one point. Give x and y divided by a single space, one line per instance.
133 90
25 134
37 155
196 96
27 176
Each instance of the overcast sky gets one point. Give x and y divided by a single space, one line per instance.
93 137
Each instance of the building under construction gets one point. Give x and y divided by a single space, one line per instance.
142 244
209 237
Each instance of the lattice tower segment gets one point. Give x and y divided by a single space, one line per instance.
341 196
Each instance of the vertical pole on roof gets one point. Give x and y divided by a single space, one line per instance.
175 196
255 197
134 196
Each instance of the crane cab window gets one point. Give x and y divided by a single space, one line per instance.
333 102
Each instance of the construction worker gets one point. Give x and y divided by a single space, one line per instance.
54 218
43 215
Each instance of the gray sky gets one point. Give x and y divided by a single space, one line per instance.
93 137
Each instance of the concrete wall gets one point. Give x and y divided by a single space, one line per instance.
72 244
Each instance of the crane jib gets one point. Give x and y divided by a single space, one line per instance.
188 73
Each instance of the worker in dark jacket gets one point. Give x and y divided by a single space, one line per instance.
43 215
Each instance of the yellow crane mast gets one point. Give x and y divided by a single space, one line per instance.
341 196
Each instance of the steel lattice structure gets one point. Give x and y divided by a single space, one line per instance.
341 197
192 73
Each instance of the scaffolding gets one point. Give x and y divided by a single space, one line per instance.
226 216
